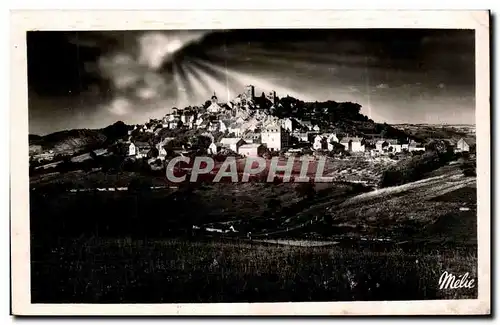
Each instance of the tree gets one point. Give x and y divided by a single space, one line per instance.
384 131
201 142
305 190
274 204
337 147
153 153
65 165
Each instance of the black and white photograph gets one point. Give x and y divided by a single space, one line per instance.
254 165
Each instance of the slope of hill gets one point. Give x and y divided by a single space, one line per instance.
344 117
429 131
70 141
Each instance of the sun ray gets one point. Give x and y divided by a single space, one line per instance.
261 82
181 97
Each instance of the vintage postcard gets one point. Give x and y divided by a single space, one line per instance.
250 163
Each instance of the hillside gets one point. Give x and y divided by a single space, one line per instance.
69 141
341 117
429 131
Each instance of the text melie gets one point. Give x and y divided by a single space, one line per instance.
450 281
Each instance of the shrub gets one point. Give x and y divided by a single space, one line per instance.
305 190
468 168
411 169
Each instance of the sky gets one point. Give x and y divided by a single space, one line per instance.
93 79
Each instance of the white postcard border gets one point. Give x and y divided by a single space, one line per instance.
22 21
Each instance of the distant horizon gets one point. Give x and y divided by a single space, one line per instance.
146 120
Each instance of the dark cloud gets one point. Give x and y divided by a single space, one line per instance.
91 79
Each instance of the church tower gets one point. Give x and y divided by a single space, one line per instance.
214 99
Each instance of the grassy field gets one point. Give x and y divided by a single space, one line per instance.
388 244
111 271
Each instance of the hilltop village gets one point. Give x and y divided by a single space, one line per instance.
248 126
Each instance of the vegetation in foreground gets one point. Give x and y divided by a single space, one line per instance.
89 267
126 271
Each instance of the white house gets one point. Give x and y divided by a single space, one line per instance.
415 146
251 150
380 145
212 149
464 145
287 124
353 144
213 126
307 124
198 121
318 142
132 149
162 153
232 143
236 129
252 137
388 145
274 137
302 136
395 148
222 126
330 138
173 124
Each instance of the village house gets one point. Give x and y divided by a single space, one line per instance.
205 124
325 141
330 139
232 143
214 106
132 150
380 145
222 126
464 145
214 126
173 123
415 146
48 155
319 142
252 137
139 149
212 149
353 144
275 137
307 124
251 150
162 153
289 124
198 121
388 145
302 136
236 129
240 120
